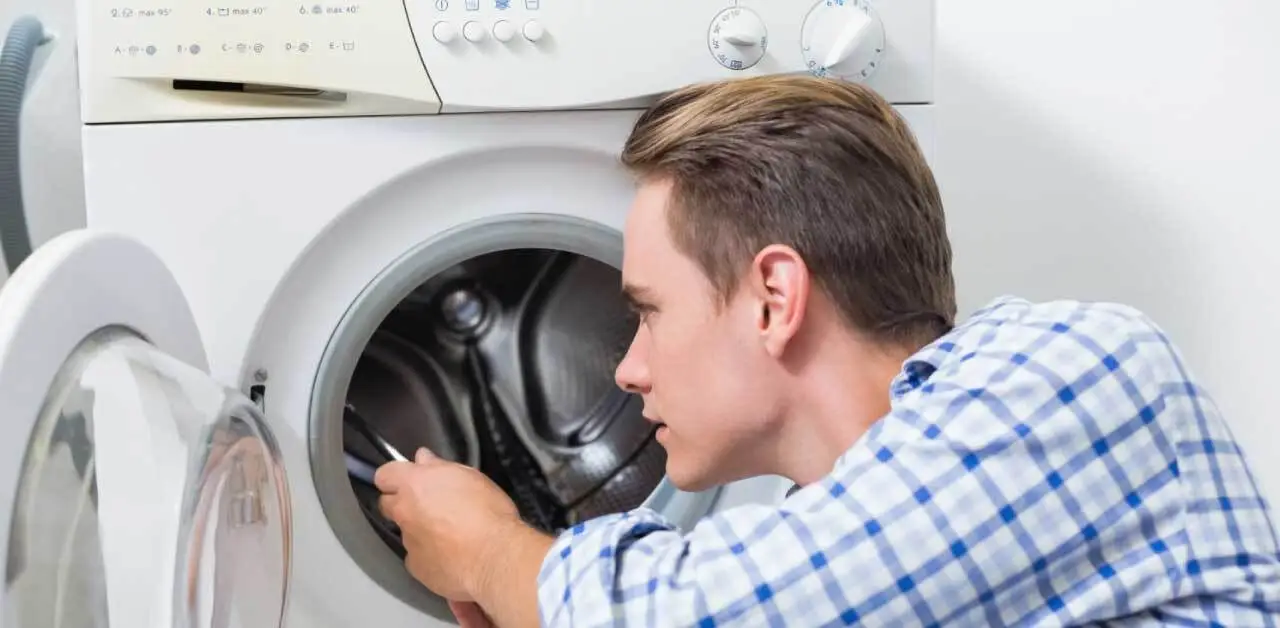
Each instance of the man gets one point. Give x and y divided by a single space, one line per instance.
787 254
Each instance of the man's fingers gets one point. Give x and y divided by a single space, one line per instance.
469 615
387 504
389 476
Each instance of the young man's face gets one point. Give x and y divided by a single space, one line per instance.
698 364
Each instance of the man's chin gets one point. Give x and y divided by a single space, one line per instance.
687 481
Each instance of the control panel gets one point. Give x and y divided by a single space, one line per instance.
208 59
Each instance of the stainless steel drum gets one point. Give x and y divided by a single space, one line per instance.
505 363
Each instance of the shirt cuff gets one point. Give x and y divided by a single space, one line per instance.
581 563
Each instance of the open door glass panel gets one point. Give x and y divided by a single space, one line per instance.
149 496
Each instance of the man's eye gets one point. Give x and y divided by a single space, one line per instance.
641 311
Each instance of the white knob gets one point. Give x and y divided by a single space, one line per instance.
503 31
473 31
533 30
737 38
444 32
743 30
843 39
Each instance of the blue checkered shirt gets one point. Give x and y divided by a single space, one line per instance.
1042 464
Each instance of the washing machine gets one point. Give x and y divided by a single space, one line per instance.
323 233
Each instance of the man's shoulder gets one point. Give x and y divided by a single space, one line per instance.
1044 349
1103 319
1056 334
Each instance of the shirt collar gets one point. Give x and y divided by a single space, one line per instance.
921 365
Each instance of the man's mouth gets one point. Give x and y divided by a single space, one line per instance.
660 426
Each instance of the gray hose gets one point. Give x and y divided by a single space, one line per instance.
20 45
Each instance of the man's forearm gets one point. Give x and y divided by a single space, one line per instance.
508 586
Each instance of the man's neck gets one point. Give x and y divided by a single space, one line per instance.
842 390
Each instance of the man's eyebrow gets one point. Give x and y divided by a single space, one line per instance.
639 297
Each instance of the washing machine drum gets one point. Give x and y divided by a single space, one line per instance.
506 363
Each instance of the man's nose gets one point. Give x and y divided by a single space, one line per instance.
632 374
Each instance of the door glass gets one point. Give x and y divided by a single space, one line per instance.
150 496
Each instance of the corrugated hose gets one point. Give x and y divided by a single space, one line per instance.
25 35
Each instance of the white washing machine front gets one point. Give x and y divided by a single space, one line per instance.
293 272
281 201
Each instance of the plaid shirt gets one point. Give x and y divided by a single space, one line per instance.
1042 464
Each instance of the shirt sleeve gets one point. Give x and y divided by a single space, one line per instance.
999 493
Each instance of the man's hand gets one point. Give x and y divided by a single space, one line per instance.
464 540
452 518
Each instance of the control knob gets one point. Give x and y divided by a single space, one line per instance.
737 38
843 38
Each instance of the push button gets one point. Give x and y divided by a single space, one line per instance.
444 32
533 30
503 31
473 31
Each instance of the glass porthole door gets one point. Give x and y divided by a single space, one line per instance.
135 491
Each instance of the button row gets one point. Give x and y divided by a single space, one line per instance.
475 32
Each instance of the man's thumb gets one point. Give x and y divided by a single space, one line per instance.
423 456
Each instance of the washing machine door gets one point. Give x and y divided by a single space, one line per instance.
134 491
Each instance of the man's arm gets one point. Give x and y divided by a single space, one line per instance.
998 491
507 587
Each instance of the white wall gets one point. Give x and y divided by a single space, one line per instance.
1126 150
52 180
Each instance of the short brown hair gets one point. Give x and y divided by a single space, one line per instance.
824 166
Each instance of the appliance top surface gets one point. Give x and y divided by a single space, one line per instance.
155 60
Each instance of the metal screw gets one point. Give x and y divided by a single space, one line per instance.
463 311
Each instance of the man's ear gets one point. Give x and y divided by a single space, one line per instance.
779 280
